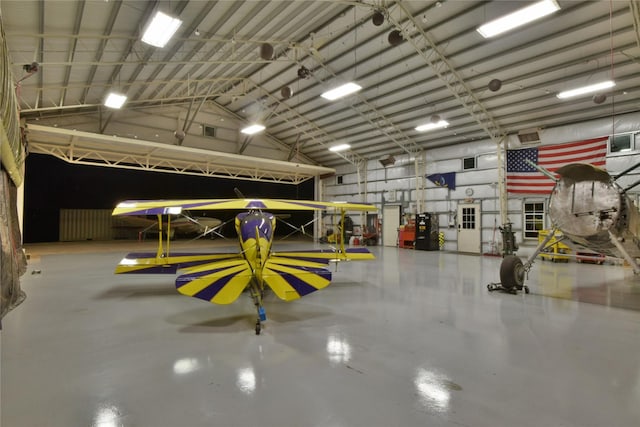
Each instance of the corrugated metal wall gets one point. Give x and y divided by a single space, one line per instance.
85 224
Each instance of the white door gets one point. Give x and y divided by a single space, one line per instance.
390 224
469 228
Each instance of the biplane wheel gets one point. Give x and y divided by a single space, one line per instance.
511 272
526 289
258 327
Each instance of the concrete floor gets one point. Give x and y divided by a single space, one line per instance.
412 339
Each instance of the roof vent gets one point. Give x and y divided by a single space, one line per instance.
390 160
529 136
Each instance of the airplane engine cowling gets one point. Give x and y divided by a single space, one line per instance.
587 210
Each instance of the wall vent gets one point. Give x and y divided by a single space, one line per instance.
529 136
209 131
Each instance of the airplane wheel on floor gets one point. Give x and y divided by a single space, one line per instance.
258 328
511 272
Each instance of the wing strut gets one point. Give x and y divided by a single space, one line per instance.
160 252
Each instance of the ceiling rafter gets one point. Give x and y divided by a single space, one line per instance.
89 148
402 82
115 10
446 72
308 128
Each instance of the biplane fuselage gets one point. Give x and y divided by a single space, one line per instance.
255 234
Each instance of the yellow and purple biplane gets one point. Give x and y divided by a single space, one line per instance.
220 278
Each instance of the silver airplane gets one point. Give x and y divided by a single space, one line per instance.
592 211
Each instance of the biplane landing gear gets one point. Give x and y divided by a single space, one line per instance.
262 316
512 272
257 293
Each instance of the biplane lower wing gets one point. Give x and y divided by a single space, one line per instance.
151 263
326 255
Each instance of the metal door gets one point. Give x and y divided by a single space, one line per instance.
390 224
469 230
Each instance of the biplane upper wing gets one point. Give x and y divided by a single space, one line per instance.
168 207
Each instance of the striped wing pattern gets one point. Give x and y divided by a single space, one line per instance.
326 255
149 263
220 282
164 207
291 279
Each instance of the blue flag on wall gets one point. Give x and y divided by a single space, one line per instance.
444 179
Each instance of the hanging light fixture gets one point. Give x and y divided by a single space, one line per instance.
115 100
160 29
518 18
339 147
340 91
255 128
586 89
430 126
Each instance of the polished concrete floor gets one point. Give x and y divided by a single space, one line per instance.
411 339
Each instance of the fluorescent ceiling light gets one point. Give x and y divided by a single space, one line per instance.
340 91
250 130
340 147
518 18
586 89
115 100
161 28
430 126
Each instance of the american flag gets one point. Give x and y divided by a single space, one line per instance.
524 178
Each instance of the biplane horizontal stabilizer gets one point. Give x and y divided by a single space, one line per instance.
150 263
219 282
294 278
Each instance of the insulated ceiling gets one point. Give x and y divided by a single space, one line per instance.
440 66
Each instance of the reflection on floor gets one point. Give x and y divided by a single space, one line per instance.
610 285
411 339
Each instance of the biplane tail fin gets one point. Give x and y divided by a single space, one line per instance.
291 278
151 263
219 282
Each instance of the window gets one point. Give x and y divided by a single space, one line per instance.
468 163
620 143
339 179
209 131
469 218
533 219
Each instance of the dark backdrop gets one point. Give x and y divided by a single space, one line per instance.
52 184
